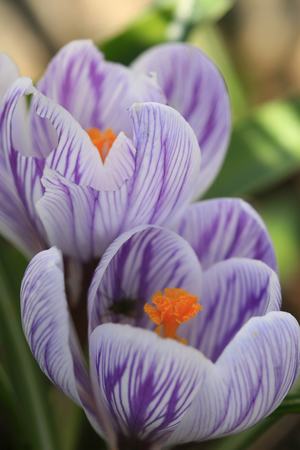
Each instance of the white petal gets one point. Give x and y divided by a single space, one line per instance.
146 383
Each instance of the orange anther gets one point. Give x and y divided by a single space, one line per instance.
171 308
102 140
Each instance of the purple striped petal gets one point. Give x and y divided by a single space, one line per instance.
75 157
96 93
47 324
146 383
165 168
225 228
15 224
251 378
13 221
78 219
20 177
49 330
138 264
167 165
193 86
261 365
233 292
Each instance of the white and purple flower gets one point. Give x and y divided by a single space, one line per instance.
154 381
96 165
102 148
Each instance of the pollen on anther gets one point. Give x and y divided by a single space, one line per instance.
171 308
102 140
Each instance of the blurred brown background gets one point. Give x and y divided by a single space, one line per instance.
32 30
264 36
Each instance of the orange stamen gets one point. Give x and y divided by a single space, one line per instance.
102 140
172 307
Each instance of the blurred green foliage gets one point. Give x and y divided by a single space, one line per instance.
148 30
23 389
262 150
197 11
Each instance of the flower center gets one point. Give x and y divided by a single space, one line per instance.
102 140
171 308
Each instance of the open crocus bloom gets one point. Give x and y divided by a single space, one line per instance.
102 148
179 351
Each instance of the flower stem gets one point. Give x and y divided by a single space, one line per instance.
125 443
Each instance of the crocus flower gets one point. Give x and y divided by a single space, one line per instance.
186 338
102 149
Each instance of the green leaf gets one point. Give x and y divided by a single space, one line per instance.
245 439
291 405
9 404
25 379
8 398
264 150
208 10
148 30
241 441
166 20
281 214
71 416
199 10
